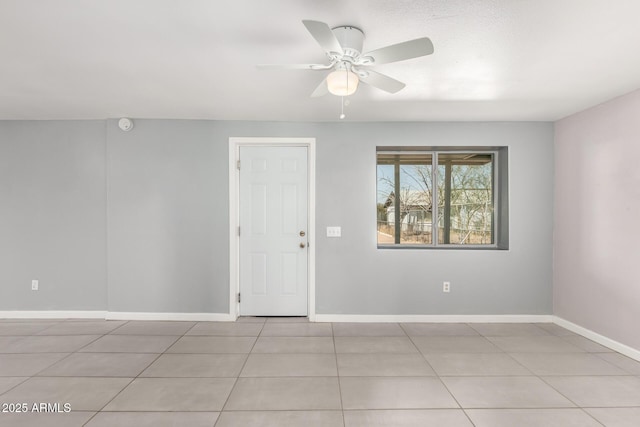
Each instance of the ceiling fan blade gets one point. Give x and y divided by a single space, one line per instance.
401 51
324 36
321 90
382 82
313 67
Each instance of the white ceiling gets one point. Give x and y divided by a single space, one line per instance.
195 59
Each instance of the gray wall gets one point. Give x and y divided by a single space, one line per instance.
167 216
354 276
167 210
52 215
597 192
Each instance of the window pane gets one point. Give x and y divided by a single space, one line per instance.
415 202
465 198
404 198
386 204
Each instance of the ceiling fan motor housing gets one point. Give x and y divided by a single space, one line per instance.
350 38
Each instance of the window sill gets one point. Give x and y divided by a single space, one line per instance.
446 247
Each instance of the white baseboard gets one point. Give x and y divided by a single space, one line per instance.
116 315
436 318
53 314
195 317
600 339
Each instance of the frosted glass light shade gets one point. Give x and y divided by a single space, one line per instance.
342 83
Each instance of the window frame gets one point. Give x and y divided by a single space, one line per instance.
499 183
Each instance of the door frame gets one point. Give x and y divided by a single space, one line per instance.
234 214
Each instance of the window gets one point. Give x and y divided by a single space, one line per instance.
442 197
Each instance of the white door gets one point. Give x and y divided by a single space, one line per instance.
273 231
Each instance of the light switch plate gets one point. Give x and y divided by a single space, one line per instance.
334 231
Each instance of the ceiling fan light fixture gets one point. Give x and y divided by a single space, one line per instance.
342 83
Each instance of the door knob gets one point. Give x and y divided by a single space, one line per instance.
302 233
302 245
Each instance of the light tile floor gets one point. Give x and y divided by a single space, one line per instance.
288 372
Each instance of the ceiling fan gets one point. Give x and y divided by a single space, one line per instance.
343 46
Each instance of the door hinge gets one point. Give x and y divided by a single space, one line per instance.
238 231
238 297
238 164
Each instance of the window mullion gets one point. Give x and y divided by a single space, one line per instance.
434 199
396 196
446 236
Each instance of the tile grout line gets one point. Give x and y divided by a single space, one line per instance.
48 327
35 375
235 383
20 383
129 383
335 352
534 375
541 378
591 416
440 379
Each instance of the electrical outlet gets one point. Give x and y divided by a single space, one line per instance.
334 231
34 285
446 286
